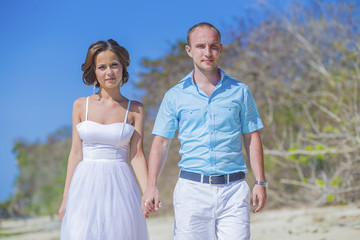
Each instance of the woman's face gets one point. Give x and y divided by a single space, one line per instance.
108 69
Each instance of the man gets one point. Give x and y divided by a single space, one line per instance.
211 111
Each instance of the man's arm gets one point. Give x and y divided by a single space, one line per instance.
157 158
255 154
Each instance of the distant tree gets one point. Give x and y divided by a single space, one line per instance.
303 69
42 169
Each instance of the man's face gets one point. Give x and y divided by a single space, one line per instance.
205 48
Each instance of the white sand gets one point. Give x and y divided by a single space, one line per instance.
327 223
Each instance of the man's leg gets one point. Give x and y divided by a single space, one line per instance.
233 216
194 210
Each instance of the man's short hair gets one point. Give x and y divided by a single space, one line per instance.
202 24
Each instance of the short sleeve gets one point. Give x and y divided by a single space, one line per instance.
249 115
166 122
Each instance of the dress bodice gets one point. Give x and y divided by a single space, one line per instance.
105 141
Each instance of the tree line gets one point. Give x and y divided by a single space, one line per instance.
302 67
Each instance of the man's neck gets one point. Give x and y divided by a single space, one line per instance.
203 78
206 81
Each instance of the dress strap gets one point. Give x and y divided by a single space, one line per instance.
127 111
126 115
87 107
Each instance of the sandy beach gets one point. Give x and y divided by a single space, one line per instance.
325 223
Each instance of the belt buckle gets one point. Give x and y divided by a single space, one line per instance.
210 180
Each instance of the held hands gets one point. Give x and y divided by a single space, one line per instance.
150 202
259 197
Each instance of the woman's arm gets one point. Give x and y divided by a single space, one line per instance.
157 157
75 155
137 156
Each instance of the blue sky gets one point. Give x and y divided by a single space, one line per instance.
43 44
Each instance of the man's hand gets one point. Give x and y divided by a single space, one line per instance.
150 201
259 197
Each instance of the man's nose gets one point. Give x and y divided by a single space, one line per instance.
207 51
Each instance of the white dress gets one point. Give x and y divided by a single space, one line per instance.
103 200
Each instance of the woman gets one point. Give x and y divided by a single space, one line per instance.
101 199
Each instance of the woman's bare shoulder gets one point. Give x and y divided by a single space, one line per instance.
79 104
136 104
81 101
136 107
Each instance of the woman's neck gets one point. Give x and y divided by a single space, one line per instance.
112 94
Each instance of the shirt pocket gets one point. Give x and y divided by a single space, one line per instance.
190 120
227 118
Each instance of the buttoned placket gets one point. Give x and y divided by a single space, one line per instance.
211 123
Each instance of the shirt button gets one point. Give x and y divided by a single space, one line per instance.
211 132
211 149
210 116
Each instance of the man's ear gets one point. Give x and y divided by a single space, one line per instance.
188 50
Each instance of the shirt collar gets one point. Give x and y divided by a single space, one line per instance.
189 80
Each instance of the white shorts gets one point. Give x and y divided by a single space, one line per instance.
203 211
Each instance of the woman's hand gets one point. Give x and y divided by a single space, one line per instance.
150 202
62 208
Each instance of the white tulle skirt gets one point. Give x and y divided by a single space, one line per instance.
103 203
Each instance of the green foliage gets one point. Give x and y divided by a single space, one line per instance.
269 164
305 81
320 182
336 182
304 77
319 147
330 198
42 170
305 180
303 159
292 149
309 148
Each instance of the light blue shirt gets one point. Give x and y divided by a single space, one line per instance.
210 128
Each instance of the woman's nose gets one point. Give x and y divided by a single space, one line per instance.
109 71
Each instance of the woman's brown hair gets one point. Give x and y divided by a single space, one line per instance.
97 47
